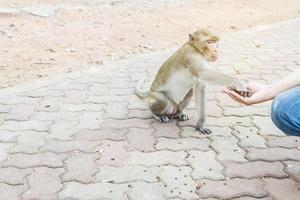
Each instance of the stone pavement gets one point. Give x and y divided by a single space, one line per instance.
85 135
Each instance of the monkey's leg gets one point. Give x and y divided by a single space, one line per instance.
200 98
158 104
182 105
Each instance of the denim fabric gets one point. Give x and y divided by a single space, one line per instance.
286 111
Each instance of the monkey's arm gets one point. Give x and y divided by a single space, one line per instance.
198 67
214 77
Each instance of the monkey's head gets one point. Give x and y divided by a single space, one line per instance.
206 43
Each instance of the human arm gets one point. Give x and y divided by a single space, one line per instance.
260 93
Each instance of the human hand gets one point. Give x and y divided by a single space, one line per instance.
257 93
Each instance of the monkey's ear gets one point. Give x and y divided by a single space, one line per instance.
191 38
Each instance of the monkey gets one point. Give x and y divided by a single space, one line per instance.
184 74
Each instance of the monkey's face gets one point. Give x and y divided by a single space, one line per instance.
210 51
206 43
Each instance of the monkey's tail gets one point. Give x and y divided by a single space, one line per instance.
138 90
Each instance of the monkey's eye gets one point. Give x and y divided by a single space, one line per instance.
210 41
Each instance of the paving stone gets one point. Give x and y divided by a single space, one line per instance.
2 118
157 158
52 116
44 184
13 176
145 191
106 98
42 93
141 139
35 160
57 146
178 182
266 126
50 104
136 103
287 142
224 100
29 142
120 82
116 110
246 111
182 144
4 149
253 170
8 136
231 188
229 121
81 167
62 130
248 137
121 91
227 149
98 89
83 107
102 134
5 108
9 99
273 154
21 112
41 11
127 174
282 189
128 123
67 85
141 114
74 190
188 132
212 110
74 96
11 192
205 165
8 11
220 131
252 198
168 130
293 169
25 125
270 78
90 120
113 153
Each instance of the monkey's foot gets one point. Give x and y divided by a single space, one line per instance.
182 117
205 131
162 118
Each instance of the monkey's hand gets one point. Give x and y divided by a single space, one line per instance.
239 88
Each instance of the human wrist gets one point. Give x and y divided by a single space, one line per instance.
270 92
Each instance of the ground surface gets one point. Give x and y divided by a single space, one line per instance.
80 33
85 135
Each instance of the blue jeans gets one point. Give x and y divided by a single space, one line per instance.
286 111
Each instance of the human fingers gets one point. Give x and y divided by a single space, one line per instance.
235 96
